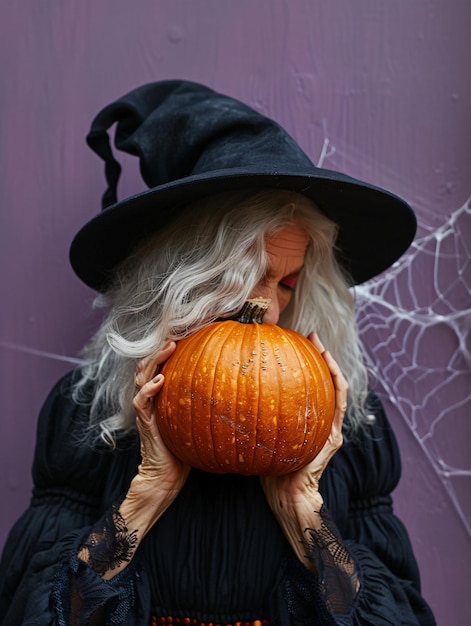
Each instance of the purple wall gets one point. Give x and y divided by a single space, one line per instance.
377 89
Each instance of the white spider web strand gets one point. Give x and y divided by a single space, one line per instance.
415 320
41 353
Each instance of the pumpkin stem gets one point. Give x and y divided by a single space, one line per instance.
253 311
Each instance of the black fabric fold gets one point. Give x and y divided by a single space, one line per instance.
216 553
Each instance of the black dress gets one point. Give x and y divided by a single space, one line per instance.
217 555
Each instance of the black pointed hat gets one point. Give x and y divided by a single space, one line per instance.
192 142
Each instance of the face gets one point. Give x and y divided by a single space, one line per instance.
286 250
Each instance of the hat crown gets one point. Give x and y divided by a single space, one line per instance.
180 128
193 142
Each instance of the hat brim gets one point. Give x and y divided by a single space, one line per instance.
375 226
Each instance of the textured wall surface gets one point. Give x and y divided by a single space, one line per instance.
379 89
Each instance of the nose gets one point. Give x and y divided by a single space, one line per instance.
272 314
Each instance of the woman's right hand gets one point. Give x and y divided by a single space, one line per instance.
158 464
159 480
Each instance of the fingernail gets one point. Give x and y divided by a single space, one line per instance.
157 378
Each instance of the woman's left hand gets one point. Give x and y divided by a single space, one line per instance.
286 491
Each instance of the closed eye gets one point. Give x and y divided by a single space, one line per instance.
289 282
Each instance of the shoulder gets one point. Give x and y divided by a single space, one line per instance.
380 433
62 454
376 434
59 413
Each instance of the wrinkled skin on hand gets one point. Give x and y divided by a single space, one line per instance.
159 480
158 463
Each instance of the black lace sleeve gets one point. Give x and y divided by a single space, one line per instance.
80 594
109 544
337 576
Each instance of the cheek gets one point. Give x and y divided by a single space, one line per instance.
284 298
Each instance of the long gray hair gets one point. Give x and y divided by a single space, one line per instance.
202 267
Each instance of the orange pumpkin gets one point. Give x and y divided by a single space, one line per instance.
246 398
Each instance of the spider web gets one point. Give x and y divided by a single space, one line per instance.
415 322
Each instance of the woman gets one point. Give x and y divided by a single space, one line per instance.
119 530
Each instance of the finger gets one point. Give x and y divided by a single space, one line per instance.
142 400
167 350
317 343
340 383
341 396
335 370
148 367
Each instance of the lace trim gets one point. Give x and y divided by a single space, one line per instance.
335 567
109 544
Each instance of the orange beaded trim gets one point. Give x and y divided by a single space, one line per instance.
172 621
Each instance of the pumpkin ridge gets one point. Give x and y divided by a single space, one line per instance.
175 365
260 371
264 341
163 397
195 423
305 360
266 352
229 327
278 444
322 374
244 329
266 446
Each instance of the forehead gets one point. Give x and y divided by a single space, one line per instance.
291 241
